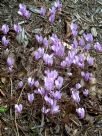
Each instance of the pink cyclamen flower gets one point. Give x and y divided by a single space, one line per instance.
52 10
88 37
54 108
78 86
81 42
48 59
49 83
10 69
98 47
39 38
23 11
75 43
36 83
51 74
10 61
30 97
75 96
58 49
58 5
74 29
30 81
90 60
52 18
86 92
42 11
20 84
41 91
74 26
87 47
44 110
18 108
5 41
52 14
5 29
39 53
57 95
59 82
48 100
63 64
27 14
86 75
17 28
80 112
45 42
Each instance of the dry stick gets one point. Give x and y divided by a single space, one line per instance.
11 108
11 96
65 86
42 124
16 125
20 94
15 111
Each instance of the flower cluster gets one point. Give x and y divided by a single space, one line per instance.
51 92
59 65
5 29
23 11
57 7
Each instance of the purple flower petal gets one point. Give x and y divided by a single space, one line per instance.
80 112
30 97
18 108
5 29
17 28
5 42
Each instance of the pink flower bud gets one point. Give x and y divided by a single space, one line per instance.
17 28
18 108
5 41
75 96
30 97
80 112
10 61
5 29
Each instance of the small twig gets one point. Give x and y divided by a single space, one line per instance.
75 122
42 123
11 95
20 94
40 126
64 86
16 125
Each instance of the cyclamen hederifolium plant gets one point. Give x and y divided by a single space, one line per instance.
60 69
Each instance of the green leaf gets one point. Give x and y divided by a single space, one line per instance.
3 109
22 38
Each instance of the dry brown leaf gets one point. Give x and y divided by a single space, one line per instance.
94 32
67 28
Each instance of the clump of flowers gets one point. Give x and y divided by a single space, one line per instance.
56 65
23 11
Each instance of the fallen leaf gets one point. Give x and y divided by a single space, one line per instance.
94 32
67 28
